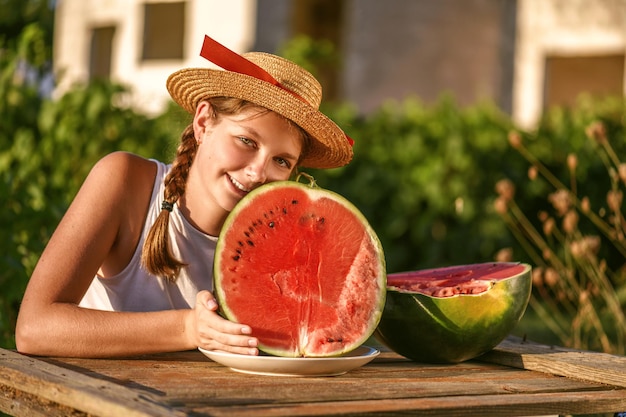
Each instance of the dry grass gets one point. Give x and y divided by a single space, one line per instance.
576 295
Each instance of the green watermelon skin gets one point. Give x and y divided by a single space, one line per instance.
456 328
303 268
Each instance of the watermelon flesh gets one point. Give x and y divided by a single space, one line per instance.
454 280
453 314
301 266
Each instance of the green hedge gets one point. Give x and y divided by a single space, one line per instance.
425 175
46 150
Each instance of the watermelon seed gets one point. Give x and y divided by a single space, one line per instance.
321 220
236 257
240 243
294 201
247 234
271 224
330 340
249 242
284 210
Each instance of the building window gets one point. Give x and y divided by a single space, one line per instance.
101 52
322 20
566 78
163 31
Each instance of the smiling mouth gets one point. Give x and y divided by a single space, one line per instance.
238 185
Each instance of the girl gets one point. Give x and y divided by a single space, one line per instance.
129 269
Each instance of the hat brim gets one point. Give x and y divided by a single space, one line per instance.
329 146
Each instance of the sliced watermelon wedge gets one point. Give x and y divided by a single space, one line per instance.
455 313
302 267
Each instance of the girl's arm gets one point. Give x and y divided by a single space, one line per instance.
99 232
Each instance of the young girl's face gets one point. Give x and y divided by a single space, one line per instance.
238 153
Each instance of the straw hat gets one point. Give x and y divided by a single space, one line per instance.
272 82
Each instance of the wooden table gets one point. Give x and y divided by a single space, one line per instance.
515 379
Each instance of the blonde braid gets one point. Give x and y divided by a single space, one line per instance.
156 255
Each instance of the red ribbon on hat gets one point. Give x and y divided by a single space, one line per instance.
231 61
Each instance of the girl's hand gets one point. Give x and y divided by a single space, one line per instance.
212 332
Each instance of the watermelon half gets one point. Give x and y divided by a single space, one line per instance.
303 268
453 314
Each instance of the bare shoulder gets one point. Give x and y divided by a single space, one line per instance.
125 166
121 176
116 191
112 206
126 180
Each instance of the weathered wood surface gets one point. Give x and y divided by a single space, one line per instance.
590 366
58 385
187 383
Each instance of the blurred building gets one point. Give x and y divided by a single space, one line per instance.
523 55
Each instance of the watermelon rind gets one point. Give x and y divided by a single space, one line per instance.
374 260
453 329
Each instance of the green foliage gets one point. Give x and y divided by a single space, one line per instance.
18 14
561 132
46 150
313 55
424 177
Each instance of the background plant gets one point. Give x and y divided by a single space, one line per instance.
47 148
423 176
577 243
43 163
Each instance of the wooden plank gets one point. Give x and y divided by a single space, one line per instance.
588 366
192 382
203 381
20 404
243 389
448 406
187 383
72 389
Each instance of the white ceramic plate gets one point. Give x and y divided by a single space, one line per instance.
279 366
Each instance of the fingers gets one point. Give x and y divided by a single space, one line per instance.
205 298
217 333
233 344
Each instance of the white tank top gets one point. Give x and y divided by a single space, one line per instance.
134 289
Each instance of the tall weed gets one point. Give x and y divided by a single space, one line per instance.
578 249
